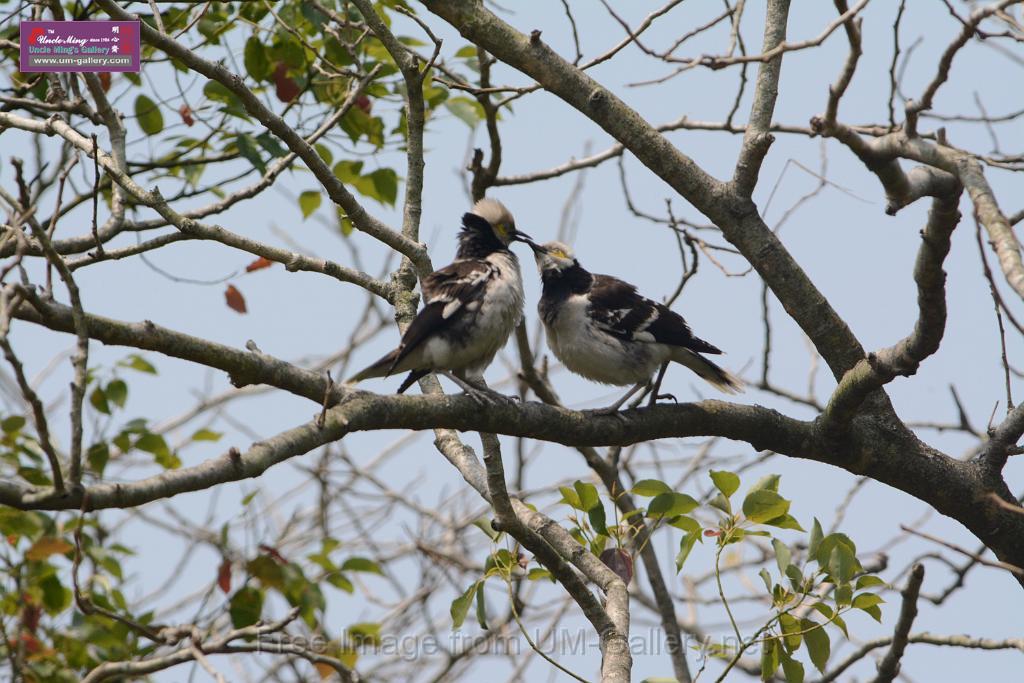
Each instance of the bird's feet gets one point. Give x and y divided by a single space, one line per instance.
657 397
486 397
481 394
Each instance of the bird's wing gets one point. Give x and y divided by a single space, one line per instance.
618 309
448 293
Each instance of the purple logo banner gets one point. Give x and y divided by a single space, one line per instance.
80 46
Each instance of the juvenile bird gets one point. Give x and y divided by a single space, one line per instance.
470 307
601 328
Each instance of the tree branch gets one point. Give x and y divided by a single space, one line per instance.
757 139
889 667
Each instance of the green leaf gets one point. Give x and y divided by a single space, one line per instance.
769 659
361 564
685 546
865 600
341 582
538 573
460 606
786 521
842 564
817 643
791 631
147 113
206 435
649 488
823 609
385 182
345 225
761 505
722 503
869 581
782 555
481 609
671 504
875 612
246 606
117 392
12 424
824 549
155 444
726 482
256 61
97 456
348 171
793 669
98 400
325 153
597 518
687 524
56 597
364 634
838 621
769 482
466 110
17 523
588 495
309 201
571 498
814 541
465 52
271 145
247 148
843 595
137 362
767 578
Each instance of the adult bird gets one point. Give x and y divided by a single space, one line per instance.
470 307
601 328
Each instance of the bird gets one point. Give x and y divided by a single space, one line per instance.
601 328
470 307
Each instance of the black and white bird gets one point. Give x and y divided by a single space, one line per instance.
601 328
470 307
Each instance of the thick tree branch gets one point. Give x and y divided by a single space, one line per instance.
904 357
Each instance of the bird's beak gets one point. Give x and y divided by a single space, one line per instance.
518 236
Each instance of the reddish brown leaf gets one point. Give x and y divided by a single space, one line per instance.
364 103
31 643
46 546
224 576
235 300
259 264
105 80
272 552
186 115
30 614
712 532
325 670
287 88
619 561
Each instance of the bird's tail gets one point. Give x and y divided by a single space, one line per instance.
708 371
382 368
